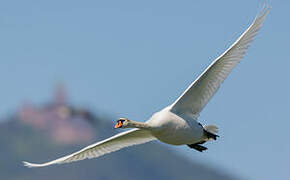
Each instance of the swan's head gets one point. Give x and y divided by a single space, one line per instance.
122 123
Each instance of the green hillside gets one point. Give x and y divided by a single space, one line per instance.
149 161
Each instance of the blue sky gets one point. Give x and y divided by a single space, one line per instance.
132 58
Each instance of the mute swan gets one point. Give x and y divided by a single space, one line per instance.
176 124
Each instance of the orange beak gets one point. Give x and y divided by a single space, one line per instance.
119 124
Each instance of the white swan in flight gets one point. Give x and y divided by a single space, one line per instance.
176 124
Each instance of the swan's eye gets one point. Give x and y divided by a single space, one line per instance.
119 124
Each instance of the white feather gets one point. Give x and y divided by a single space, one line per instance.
114 143
197 95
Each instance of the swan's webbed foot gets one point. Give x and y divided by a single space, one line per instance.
197 147
210 135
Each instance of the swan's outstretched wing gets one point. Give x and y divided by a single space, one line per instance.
114 143
197 95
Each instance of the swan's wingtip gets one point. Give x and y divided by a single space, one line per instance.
265 9
30 165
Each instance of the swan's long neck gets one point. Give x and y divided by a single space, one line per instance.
140 125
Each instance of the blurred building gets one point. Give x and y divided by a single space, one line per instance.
61 121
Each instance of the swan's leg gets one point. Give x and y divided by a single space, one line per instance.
197 146
210 135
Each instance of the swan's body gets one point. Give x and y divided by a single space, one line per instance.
176 124
173 129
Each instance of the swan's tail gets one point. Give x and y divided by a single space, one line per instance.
211 132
